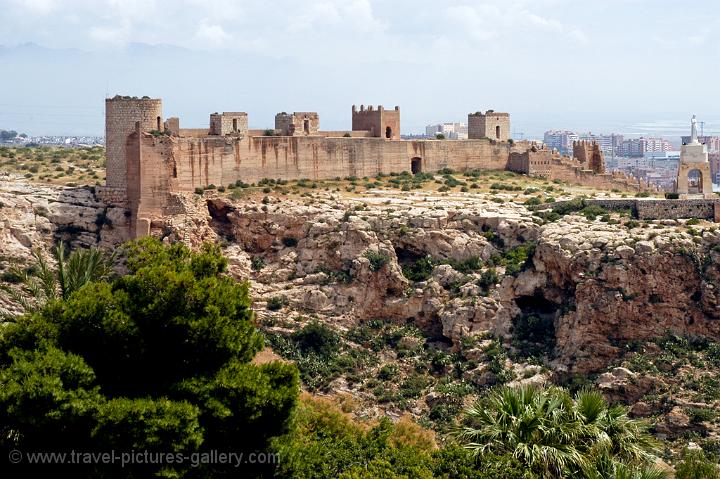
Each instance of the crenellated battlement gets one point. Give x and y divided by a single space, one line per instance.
369 109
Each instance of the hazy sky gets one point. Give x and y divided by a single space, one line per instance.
633 66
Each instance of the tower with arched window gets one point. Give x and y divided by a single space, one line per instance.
693 179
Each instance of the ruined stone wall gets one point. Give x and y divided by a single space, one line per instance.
519 162
544 163
589 155
121 114
172 125
111 196
152 179
564 169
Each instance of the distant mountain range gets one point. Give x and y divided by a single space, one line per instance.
49 91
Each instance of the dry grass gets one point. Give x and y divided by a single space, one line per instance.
55 165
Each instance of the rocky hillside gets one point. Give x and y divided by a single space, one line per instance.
429 297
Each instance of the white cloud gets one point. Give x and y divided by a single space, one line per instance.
347 15
361 12
38 6
316 15
212 34
508 19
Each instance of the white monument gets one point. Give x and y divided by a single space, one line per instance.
693 179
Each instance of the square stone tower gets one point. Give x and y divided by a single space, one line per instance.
694 178
492 124
229 123
300 123
381 123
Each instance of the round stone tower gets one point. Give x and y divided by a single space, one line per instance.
121 114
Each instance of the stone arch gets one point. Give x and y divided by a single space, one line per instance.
306 126
695 181
416 165
497 132
388 132
159 126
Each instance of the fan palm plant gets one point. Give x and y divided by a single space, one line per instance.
556 435
535 426
42 283
615 438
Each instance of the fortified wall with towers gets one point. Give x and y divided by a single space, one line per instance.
150 159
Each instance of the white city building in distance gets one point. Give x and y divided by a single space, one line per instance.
451 131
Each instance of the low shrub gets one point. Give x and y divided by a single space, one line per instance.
276 303
317 338
377 260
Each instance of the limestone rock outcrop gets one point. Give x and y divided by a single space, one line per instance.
347 259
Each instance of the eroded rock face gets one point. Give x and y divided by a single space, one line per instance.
33 216
333 248
603 285
626 285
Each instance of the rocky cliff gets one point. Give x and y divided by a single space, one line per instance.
455 266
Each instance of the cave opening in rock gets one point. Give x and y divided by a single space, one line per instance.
408 255
219 220
533 329
536 304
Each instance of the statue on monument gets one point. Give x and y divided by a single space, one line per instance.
693 131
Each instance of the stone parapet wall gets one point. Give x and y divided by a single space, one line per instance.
656 209
344 133
674 209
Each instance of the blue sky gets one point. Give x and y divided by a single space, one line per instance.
633 66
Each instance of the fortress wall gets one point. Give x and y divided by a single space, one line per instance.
164 165
459 155
190 162
153 177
